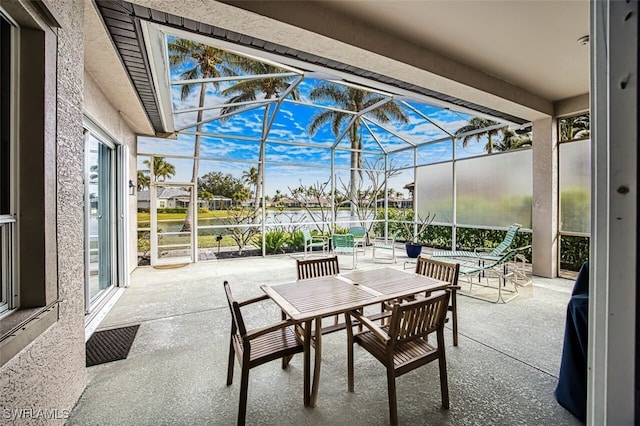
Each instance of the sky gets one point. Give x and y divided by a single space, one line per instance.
292 155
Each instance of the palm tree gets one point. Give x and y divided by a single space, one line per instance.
477 123
251 177
356 100
143 181
161 169
576 127
249 90
200 61
511 140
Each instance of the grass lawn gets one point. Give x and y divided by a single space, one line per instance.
145 217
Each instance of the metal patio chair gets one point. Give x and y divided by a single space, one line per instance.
314 241
345 244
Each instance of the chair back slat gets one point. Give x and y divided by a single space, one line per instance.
414 320
314 268
508 240
306 234
443 271
342 241
357 231
236 316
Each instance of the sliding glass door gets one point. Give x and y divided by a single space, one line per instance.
100 218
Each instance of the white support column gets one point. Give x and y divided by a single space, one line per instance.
612 358
545 198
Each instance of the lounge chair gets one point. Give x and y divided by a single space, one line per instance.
482 252
476 271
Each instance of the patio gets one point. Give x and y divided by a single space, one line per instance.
504 370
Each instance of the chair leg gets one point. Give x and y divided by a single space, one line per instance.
393 403
242 404
231 362
286 360
442 363
347 319
454 317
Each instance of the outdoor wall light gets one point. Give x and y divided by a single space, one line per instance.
132 188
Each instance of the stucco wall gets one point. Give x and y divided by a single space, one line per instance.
98 107
49 373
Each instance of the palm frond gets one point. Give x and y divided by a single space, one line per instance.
320 120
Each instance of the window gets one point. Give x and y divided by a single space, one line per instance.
574 166
7 170
28 238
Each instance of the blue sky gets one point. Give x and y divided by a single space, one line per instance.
290 165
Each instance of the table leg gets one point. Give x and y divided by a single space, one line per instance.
307 363
317 360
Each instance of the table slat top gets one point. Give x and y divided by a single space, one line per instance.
306 299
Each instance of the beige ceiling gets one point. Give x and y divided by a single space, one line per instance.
531 44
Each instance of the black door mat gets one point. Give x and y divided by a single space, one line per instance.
110 345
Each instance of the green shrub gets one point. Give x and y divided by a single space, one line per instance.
394 216
437 236
340 230
296 241
574 251
275 241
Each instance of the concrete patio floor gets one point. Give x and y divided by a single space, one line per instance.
503 372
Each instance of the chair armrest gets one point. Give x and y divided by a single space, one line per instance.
253 300
481 249
377 331
269 328
389 239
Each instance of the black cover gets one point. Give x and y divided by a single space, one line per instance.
571 391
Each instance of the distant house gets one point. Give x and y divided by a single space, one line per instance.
167 198
287 202
218 202
396 202
410 187
322 202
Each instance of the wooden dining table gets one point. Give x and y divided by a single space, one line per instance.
308 301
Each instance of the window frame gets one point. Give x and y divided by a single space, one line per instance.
9 290
35 291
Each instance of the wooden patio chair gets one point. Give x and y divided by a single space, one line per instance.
314 268
256 347
448 272
403 345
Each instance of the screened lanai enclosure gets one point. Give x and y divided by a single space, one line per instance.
264 146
